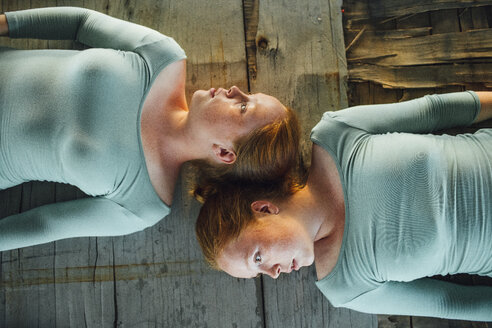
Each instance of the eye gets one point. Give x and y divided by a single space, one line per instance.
243 108
258 258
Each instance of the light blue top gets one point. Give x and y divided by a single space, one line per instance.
74 117
417 205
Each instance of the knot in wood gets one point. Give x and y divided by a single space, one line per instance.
262 43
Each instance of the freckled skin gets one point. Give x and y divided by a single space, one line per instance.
219 116
278 240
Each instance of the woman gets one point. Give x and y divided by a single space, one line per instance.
385 206
113 120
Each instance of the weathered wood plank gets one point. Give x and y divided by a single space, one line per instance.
425 50
297 59
300 60
466 19
394 321
422 76
444 21
423 322
354 35
479 16
251 16
367 10
473 18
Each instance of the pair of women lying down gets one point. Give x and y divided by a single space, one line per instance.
385 205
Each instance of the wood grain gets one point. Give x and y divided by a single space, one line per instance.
424 50
372 10
424 76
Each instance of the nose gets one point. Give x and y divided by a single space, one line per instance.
234 91
275 271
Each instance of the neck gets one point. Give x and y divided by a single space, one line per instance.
177 141
312 210
319 205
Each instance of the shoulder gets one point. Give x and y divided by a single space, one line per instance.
161 53
334 134
168 86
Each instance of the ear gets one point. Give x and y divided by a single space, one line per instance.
223 154
264 206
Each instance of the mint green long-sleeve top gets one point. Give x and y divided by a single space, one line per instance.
417 205
74 117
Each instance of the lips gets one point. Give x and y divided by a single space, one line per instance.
212 92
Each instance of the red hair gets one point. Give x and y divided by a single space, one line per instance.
266 153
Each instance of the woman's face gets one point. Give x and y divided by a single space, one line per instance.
225 115
270 245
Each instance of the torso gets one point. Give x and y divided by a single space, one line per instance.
166 94
327 248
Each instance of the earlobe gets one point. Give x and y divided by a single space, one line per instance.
264 206
224 155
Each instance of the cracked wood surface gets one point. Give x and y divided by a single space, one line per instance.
428 49
361 11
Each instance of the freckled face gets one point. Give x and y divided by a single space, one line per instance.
268 246
225 115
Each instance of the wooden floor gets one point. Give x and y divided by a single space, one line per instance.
157 278
292 49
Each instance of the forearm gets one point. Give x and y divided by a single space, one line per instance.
485 106
4 27
58 23
421 115
79 24
427 297
77 218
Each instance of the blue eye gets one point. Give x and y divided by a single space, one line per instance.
258 258
243 108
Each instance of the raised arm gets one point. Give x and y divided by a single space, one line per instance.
79 24
427 297
78 218
421 115
95 30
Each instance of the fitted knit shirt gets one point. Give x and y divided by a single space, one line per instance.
416 205
74 117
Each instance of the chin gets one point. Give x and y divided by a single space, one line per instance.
308 261
198 97
196 94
